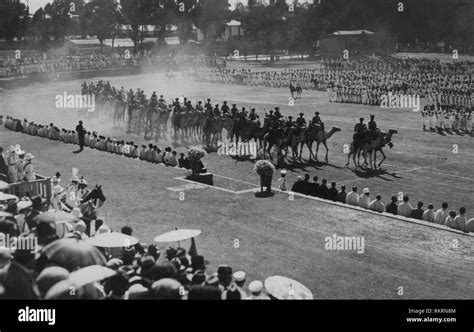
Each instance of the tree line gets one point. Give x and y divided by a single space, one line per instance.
278 26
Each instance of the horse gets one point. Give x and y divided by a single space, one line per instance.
88 206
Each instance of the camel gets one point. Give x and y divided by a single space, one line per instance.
276 138
319 136
374 146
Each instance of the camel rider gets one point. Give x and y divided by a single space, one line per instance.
225 108
199 106
270 116
234 110
161 100
176 103
373 130
317 120
290 123
360 127
277 113
217 112
301 121
253 115
208 105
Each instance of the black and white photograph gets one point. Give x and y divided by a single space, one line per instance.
237 150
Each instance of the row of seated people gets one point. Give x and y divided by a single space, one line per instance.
93 140
398 205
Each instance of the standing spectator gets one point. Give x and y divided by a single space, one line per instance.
418 212
377 204
460 222
392 207
3 166
28 168
314 188
405 208
323 189
281 182
352 198
364 199
332 193
80 135
341 196
429 214
441 214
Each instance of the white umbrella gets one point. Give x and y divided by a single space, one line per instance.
177 235
112 240
90 274
4 185
7 197
284 288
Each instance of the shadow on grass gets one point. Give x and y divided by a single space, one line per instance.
264 194
368 173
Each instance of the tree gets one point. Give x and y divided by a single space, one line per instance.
60 20
211 18
14 17
103 19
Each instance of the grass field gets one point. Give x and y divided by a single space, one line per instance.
266 236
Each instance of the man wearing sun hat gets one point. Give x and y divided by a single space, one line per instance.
256 288
19 163
281 182
364 199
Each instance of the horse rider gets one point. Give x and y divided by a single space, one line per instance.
161 100
82 190
253 115
234 110
208 105
216 112
317 120
225 108
290 123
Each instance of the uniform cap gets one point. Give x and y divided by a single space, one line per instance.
256 286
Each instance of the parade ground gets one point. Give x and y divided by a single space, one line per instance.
276 235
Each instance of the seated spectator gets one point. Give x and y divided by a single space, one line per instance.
441 214
323 189
393 206
332 193
429 214
341 196
364 199
173 161
183 161
314 187
450 219
460 222
167 156
470 225
418 212
377 204
255 288
405 208
352 198
298 185
306 186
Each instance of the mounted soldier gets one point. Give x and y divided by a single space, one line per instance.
317 121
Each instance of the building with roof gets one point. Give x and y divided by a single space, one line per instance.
233 30
357 42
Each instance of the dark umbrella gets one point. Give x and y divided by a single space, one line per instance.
73 253
16 283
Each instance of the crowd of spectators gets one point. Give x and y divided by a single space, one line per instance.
398 205
31 66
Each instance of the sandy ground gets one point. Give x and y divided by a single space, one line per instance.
276 235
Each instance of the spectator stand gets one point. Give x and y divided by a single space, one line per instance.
41 186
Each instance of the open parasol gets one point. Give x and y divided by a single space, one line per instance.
90 274
7 197
283 288
4 185
52 217
177 235
112 240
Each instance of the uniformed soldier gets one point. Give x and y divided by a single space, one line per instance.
217 112
11 163
19 165
82 190
277 113
225 108
199 106
317 120
252 115
360 127
208 105
301 121
234 110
